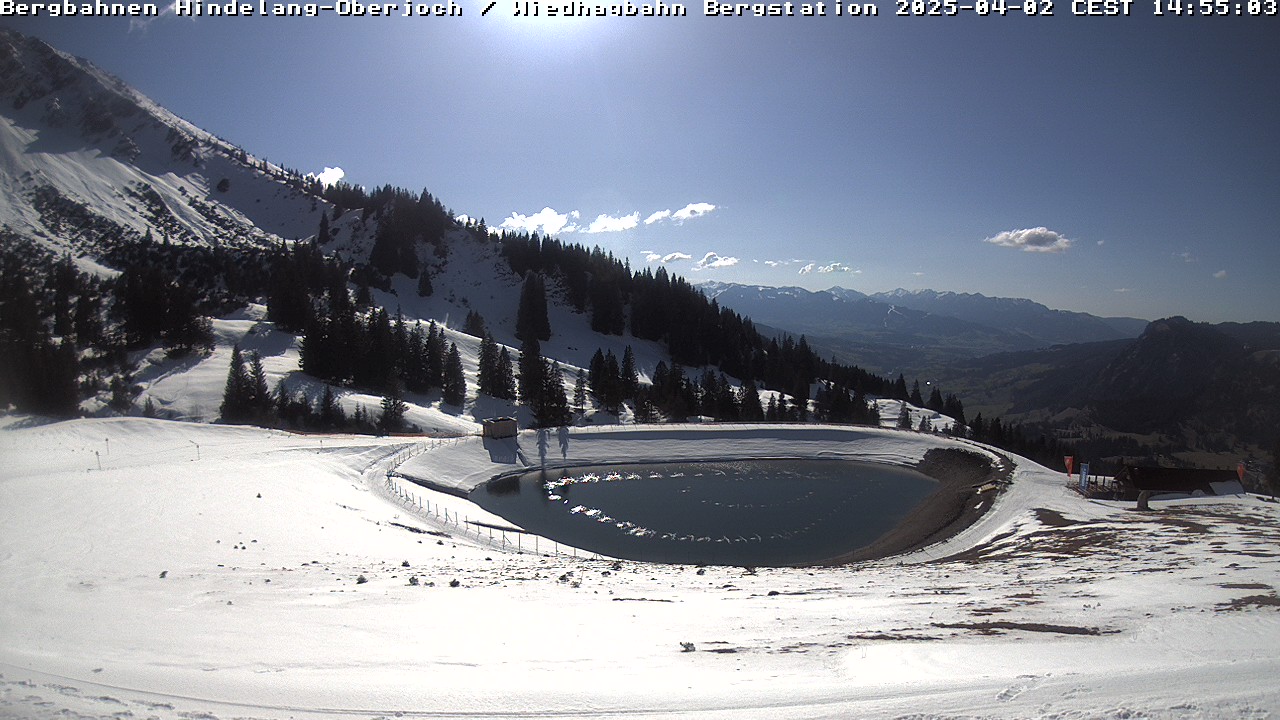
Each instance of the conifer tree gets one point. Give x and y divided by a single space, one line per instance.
236 405
580 392
322 236
802 399
935 402
415 360
121 394
87 321
904 418
506 378
749 404
553 410
607 308
953 407
630 377
260 400
425 289
455 383
595 373
873 415
531 374
531 313
330 414
487 370
474 324
610 392
435 356
393 410
916 398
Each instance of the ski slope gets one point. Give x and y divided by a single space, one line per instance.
214 572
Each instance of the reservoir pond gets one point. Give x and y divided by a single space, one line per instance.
746 513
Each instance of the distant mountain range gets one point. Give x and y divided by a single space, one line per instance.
1208 386
1111 386
913 331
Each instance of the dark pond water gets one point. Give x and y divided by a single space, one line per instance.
758 512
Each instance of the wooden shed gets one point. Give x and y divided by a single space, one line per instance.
1133 480
499 427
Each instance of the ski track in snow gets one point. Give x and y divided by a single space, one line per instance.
228 586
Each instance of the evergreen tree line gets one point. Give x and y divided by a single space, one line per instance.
246 401
349 347
64 332
697 332
405 220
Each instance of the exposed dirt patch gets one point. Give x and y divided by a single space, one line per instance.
1053 518
418 531
995 627
988 611
1245 586
890 636
1251 601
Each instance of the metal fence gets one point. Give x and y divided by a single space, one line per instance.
504 540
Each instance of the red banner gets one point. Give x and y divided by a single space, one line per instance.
1069 459
1240 471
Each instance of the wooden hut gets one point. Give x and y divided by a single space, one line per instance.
499 427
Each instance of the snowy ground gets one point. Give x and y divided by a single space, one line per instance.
213 572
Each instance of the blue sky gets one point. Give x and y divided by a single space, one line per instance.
1119 166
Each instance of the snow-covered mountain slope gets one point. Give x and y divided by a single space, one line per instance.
1017 315
920 316
883 336
86 161
88 164
216 572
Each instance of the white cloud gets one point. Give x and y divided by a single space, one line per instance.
550 222
918 273
1186 256
545 220
692 210
808 268
712 260
1101 243
606 223
651 256
463 219
834 267
330 176
1124 290
1221 274
1039 239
